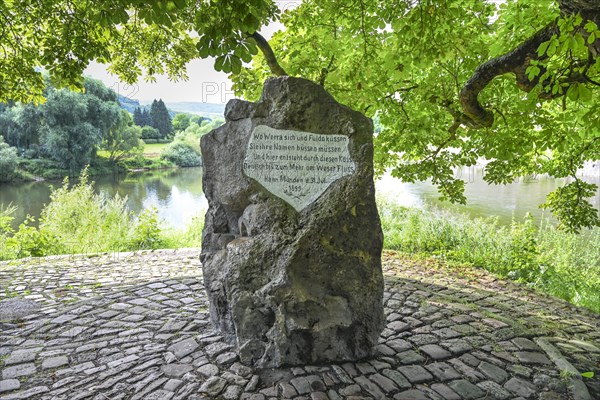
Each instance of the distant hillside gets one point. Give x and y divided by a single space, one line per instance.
128 104
198 108
189 107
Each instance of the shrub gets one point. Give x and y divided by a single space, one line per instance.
141 162
181 154
44 168
82 221
149 132
6 217
147 232
28 241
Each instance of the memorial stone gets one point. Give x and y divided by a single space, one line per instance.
291 247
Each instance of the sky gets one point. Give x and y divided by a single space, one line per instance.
204 85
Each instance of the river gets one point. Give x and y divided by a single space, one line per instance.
177 194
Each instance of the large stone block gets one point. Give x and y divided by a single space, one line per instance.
291 247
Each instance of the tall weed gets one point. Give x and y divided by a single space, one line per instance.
562 264
79 221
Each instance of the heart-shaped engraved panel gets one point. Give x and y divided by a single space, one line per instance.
297 166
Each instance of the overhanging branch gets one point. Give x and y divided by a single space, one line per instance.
267 51
515 61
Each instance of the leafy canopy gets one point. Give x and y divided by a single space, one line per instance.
439 74
414 64
134 37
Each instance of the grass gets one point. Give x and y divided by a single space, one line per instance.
153 150
558 263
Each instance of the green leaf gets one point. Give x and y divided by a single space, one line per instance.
226 64
589 374
542 48
202 50
246 57
532 71
236 65
591 27
592 38
585 94
573 92
552 47
219 62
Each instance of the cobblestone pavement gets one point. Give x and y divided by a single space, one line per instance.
135 326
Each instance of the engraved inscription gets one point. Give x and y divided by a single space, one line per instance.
297 166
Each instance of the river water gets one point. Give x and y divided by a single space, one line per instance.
177 194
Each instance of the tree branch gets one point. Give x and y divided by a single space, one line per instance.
515 61
325 71
267 51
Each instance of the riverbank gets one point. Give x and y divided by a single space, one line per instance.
562 264
34 170
136 325
79 220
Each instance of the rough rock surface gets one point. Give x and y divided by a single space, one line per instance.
14 309
298 287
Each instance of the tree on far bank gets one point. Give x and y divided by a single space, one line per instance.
123 139
149 132
75 123
68 137
160 118
141 117
181 121
8 161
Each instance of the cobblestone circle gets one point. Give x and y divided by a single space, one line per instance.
135 326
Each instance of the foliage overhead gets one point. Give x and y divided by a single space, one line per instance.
457 81
439 74
134 37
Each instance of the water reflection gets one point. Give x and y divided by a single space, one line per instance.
176 193
483 200
178 196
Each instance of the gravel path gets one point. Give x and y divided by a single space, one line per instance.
135 326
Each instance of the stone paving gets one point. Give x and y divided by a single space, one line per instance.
135 326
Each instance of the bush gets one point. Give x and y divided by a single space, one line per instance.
28 241
82 221
181 154
150 141
147 232
44 168
32 152
6 217
149 132
141 162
